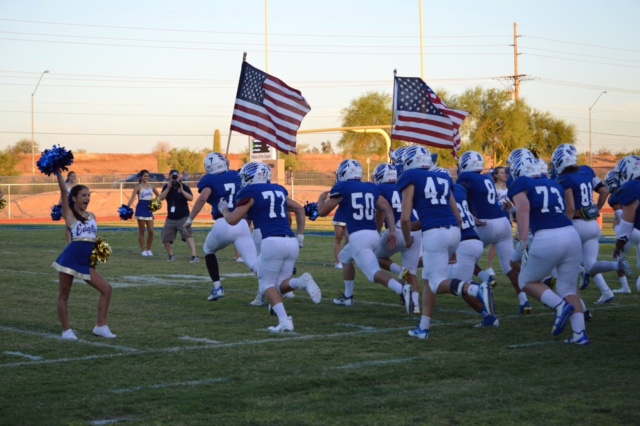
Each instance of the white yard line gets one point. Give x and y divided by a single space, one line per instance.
169 385
199 340
31 357
373 363
57 337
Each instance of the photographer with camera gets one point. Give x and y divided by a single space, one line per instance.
177 194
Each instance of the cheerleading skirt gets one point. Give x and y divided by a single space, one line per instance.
75 258
142 210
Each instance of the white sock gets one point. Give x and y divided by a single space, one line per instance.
425 322
550 299
395 286
415 297
577 322
473 290
217 285
483 275
601 283
348 287
522 297
280 311
295 283
395 268
623 282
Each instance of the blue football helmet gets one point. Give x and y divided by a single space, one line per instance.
255 173
417 157
349 170
564 156
385 173
628 168
216 163
471 161
612 181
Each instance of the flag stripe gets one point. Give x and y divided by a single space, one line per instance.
422 117
268 109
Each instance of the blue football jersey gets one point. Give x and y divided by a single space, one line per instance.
269 210
223 185
430 197
467 229
390 193
613 200
627 194
481 195
581 186
358 204
546 199
595 180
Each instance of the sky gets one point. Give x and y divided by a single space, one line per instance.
127 75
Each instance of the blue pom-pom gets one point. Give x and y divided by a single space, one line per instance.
125 212
56 212
311 211
54 159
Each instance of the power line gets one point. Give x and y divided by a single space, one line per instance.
580 54
581 60
583 44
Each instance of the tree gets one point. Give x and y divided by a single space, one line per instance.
326 147
374 108
23 146
181 159
9 160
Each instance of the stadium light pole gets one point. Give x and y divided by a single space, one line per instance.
590 136
33 141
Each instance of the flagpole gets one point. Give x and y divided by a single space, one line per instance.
393 109
226 154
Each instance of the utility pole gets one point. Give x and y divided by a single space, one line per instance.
517 78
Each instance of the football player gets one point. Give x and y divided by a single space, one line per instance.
360 201
220 183
540 210
430 193
492 226
385 177
267 205
628 195
579 183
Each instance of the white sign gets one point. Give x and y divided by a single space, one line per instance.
261 151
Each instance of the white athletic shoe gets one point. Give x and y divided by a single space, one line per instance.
149 253
239 260
406 297
69 335
606 297
289 295
312 288
490 271
623 290
338 265
284 325
144 253
259 300
103 332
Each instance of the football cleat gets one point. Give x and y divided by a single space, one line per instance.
284 325
485 295
578 338
606 297
525 308
492 281
216 293
563 312
489 321
623 290
312 288
419 333
344 300
259 300
583 279
623 266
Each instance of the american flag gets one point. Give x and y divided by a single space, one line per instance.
423 118
267 109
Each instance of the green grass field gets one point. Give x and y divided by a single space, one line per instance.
179 359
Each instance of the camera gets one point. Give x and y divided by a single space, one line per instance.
174 181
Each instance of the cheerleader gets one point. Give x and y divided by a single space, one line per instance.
144 215
75 259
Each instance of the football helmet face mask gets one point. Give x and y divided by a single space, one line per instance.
471 161
628 168
255 173
417 157
612 181
216 163
564 156
349 170
525 166
385 173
